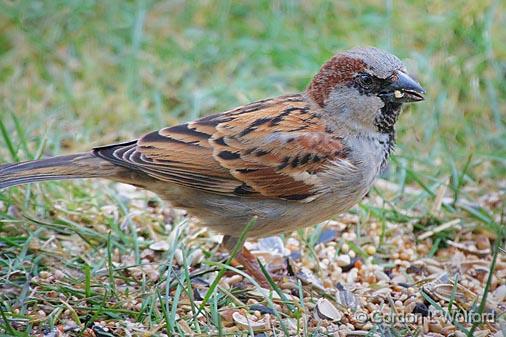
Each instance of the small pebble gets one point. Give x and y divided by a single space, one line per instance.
295 255
500 293
349 236
196 257
409 307
327 235
482 242
288 285
482 333
367 326
381 276
435 327
178 255
404 256
370 250
327 311
159 246
343 260
352 275
44 274
327 283
234 279
447 330
272 244
399 279
59 275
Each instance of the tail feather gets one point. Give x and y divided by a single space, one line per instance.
80 165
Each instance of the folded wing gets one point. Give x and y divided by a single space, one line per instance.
271 148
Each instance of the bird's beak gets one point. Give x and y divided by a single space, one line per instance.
403 89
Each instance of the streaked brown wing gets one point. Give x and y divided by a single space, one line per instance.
271 148
176 154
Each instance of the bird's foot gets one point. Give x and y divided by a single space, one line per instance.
251 266
249 262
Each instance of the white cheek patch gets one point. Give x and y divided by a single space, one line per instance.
398 94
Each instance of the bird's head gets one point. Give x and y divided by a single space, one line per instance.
364 88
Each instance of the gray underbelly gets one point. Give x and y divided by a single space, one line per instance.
229 215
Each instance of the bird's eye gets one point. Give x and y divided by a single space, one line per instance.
365 80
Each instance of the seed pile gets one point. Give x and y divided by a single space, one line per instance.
346 277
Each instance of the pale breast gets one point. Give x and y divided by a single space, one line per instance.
369 153
347 181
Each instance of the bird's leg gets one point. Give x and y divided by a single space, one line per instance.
245 258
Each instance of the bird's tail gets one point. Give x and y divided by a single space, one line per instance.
80 165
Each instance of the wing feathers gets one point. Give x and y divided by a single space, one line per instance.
272 148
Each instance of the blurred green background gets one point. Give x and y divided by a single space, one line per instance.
75 74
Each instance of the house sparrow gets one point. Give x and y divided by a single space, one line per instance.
290 161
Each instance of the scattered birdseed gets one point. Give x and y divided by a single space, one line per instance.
334 291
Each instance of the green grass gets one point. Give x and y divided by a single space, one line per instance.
77 74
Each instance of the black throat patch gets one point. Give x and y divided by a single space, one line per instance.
385 123
386 120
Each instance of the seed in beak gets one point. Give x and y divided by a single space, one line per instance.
398 94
